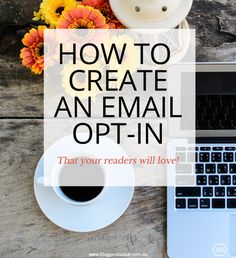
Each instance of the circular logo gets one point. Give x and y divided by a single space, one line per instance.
219 249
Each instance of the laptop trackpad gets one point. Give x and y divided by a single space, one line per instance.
232 234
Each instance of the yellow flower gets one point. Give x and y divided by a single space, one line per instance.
37 16
51 10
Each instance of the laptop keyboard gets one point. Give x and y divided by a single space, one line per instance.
215 188
216 112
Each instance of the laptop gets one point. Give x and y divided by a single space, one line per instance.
201 219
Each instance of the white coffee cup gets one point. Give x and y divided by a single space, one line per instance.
62 183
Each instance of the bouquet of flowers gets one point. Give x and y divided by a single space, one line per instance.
64 14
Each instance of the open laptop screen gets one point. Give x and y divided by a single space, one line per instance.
216 100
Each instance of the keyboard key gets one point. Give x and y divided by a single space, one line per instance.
180 203
199 169
207 191
180 148
185 180
182 156
213 180
192 203
230 148
204 148
191 148
210 168
204 157
188 191
231 203
205 203
231 191
219 191
228 157
185 168
201 180
232 168
192 157
217 148
218 203
216 157
222 168
234 180
225 180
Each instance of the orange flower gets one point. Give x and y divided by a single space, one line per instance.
104 7
32 54
82 17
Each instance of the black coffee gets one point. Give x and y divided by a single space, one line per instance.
81 193
75 181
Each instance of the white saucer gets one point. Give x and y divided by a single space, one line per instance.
82 218
97 215
158 14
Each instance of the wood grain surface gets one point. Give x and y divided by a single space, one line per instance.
24 230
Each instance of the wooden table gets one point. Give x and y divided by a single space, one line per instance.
24 230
